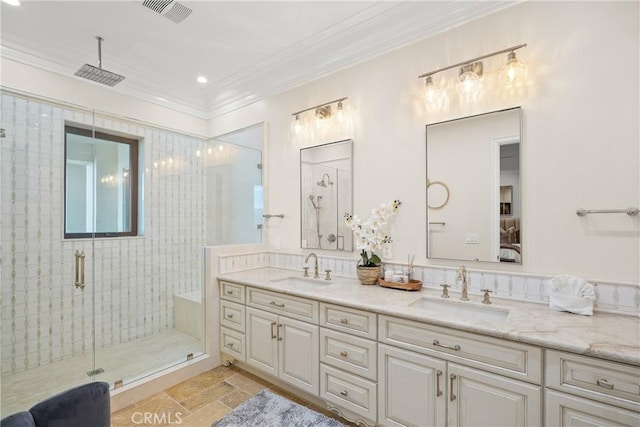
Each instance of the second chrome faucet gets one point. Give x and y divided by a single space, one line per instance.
462 275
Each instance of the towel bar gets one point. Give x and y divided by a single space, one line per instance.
273 216
629 211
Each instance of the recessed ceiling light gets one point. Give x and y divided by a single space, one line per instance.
12 2
202 79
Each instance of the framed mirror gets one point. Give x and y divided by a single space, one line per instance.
477 160
326 193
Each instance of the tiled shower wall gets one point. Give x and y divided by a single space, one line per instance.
610 296
130 281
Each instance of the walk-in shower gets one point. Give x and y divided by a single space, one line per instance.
141 307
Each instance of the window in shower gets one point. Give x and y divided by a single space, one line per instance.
101 184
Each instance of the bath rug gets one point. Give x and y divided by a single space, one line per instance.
266 409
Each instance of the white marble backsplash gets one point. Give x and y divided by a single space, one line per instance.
611 297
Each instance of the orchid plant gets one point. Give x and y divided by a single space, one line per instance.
370 236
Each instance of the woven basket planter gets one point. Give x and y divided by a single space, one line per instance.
368 275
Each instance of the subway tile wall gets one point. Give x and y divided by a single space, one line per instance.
611 297
130 281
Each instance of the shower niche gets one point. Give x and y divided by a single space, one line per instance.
326 194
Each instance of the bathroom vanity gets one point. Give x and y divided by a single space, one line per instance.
386 357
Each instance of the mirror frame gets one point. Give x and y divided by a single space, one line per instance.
339 215
495 193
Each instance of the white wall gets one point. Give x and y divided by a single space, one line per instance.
580 133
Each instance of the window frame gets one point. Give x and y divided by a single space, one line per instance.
133 180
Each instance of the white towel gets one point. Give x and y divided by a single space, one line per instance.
572 294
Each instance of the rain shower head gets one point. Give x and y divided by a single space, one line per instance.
97 74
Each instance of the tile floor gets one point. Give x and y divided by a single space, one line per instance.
201 400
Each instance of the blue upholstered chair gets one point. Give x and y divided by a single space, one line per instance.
82 406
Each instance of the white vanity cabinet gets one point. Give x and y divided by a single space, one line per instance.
439 377
586 391
283 337
232 320
348 356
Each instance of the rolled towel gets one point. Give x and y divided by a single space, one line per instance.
571 293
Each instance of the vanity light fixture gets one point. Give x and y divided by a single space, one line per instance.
431 92
470 74
322 112
469 77
514 70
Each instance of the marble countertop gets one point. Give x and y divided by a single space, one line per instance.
607 336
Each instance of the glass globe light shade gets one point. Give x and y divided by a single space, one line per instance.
514 70
296 126
469 83
431 92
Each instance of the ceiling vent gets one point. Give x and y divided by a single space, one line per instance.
177 12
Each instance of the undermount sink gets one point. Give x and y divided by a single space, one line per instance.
302 281
460 310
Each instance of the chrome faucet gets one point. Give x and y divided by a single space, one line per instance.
315 267
462 275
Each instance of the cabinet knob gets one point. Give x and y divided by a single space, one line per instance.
230 344
344 354
229 292
344 321
229 316
344 392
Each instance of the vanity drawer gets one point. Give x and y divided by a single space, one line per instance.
294 307
232 343
608 382
348 391
352 354
232 291
348 320
511 359
232 315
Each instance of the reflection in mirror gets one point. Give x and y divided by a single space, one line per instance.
477 159
234 201
325 195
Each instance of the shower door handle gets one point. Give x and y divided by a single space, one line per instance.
79 270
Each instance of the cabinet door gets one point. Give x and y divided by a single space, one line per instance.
411 388
261 336
299 354
477 398
565 410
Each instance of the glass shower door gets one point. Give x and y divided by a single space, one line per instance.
47 317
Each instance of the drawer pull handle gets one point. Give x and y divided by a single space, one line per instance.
344 354
604 383
452 396
230 344
438 375
344 321
229 316
276 304
454 348
229 292
279 337
273 332
344 392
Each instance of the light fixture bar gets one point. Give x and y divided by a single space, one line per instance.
318 106
509 49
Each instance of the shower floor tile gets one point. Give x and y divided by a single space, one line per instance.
214 393
127 361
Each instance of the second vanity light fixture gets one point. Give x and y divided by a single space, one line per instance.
471 72
322 113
